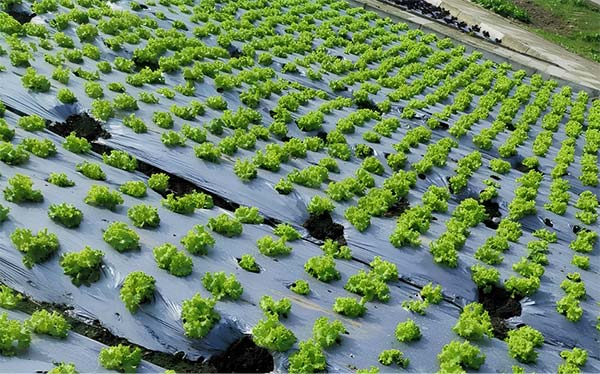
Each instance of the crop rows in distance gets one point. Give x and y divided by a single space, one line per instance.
430 156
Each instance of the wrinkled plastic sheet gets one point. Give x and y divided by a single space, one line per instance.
415 265
45 351
157 325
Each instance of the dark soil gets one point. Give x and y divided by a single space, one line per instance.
398 208
243 356
20 16
322 227
367 104
542 18
523 168
492 209
83 125
500 305
548 222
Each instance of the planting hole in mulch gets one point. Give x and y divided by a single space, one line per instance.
492 209
243 356
322 227
82 124
500 305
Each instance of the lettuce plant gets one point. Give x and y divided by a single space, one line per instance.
121 357
13 155
91 170
20 189
485 277
44 322
280 308
34 81
349 306
393 356
248 263
14 336
360 219
301 287
271 334
137 289
336 250
385 270
322 268
198 316
474 322
175 262
172 139
308 359
326 333
207 151
284 186
103 197
119 236
42 148
133 188
65 214
416 306
245 169
8 299
159 182
270 247
143 215
225 225
198 240
120 159
63 368
319 205
221 285
76 144
36 248
582 262
4 213
249 215
83 267
162 119
369 285
457 357
135 123
522 343
187 203
407 331
286 232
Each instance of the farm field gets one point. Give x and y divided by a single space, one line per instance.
297 186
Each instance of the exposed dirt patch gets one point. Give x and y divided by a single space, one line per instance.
492 209
367 104
83 125
398 208
322 227
21 16
500 306
243 356
542 18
